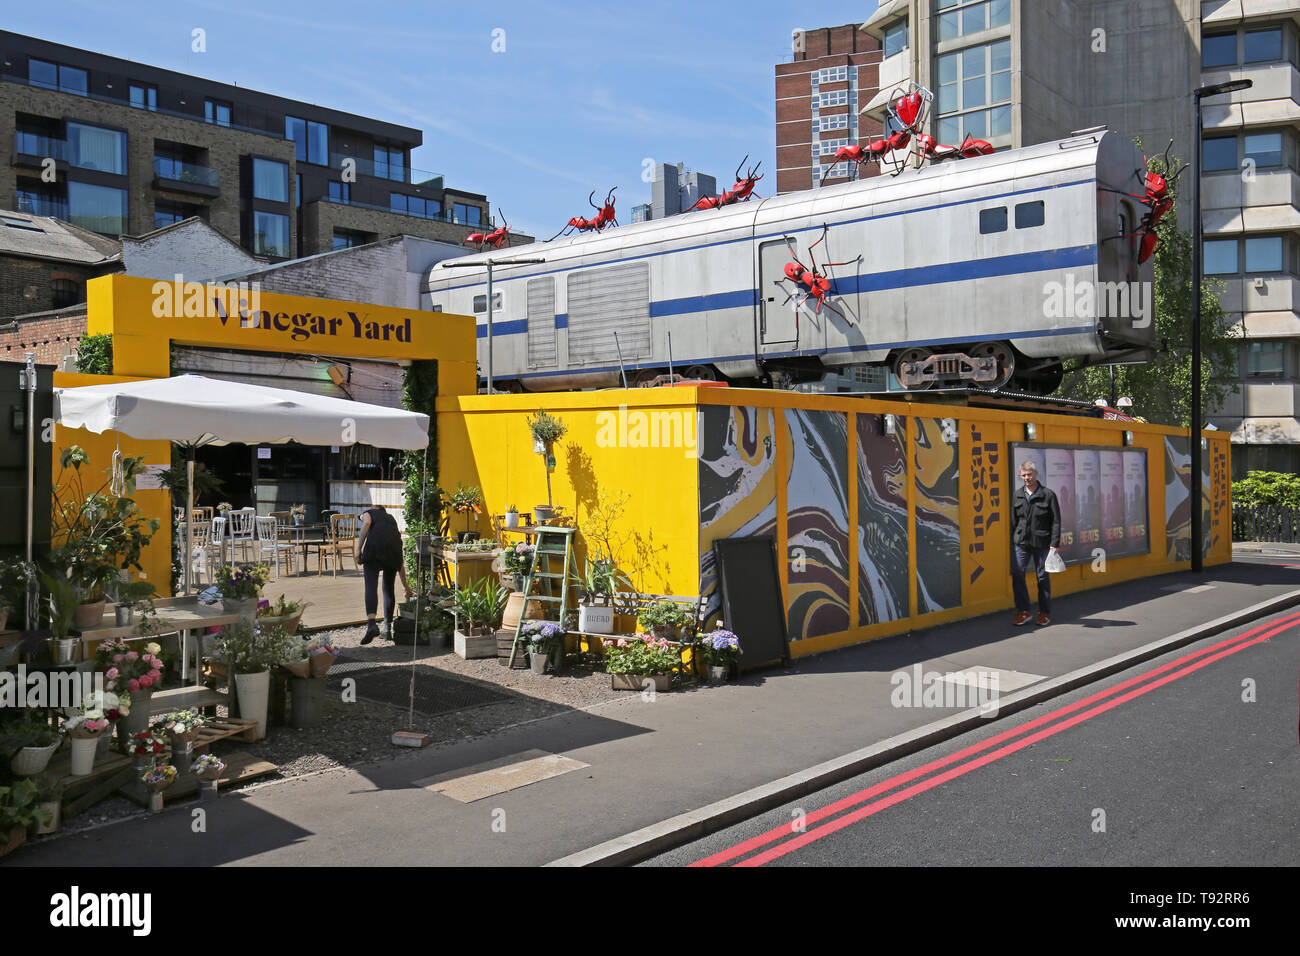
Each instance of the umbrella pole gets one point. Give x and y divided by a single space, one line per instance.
189 521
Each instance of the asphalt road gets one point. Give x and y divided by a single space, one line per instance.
1187 760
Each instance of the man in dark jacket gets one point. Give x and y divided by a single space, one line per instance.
1035 533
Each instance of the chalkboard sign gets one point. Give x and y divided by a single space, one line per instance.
752 605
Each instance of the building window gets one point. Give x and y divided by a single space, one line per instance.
971 84
480 303
833 98
297 190
1219 153
216 112
827 123
347 238
964 17
311 139
1220 50
270 180
144 96
828 146
390 163
468 215
41 199
37 136
1265 359
833 74
56 76
1264 255
341 192
895 38
1220 256
1262 46
993 220
270 234
1264 148
1029 214
169 213
65 293
97 208
91 147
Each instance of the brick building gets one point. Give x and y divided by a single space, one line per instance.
122 148
833 73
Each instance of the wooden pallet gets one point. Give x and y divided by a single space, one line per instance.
79 793
240 768
221 728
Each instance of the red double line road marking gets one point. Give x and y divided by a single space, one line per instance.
1223 649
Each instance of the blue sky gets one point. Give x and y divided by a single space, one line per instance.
582 95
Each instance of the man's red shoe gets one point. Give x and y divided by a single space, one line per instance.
1023 617
1044 619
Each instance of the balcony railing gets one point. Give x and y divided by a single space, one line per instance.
392 173
446 217
167 168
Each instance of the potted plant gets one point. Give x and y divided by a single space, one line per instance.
64 596
240 586
208 767
18 810
596 583
512 517
84 730
132 595
546 430
481 604
466 500
516 561
96 534
631 661
285 613
721 649
133 676
13 589
224 508
183 727
545 638
30 742
157 779
250 654
49 802
298 514
664 619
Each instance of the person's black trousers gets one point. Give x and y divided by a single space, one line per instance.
373 571
1022 560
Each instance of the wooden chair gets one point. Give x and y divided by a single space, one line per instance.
283 517
341 539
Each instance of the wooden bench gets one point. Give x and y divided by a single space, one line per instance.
631 604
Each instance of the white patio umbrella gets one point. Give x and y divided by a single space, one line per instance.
193 411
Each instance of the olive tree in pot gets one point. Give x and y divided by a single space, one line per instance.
546 431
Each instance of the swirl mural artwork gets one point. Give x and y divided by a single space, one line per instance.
737 483
938 519
1178 493
817 521
882 521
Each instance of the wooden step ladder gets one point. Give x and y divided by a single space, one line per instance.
553 545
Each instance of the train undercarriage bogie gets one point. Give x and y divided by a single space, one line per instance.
986 365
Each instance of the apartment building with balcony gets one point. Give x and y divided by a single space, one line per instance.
118 147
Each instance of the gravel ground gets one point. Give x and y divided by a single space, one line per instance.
355 733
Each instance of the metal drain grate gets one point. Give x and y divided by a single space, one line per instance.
434 693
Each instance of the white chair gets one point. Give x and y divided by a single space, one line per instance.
218 540
242 530
271 543
201 555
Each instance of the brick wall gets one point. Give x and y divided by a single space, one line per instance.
27 285
49 337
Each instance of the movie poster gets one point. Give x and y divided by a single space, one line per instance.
1135 503
1087 498
1059 476
1112 501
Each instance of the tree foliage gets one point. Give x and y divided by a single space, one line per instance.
95 354
1271 488
1161 389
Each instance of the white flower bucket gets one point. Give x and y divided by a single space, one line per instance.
84 750
254 691
596 619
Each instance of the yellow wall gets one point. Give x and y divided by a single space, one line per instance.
146 317
485 441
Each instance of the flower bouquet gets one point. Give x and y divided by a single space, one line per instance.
321 653
181 725
158 779
721 649
208 767
242 582
83 727
146 746
129 671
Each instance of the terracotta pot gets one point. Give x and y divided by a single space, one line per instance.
89 615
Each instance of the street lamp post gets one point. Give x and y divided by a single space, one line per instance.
489 263
1231 86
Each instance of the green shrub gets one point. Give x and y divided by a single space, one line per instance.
1271 488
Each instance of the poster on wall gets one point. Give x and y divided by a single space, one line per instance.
1102 493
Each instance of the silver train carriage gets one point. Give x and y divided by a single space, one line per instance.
985 271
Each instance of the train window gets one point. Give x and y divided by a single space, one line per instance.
480 303
1029 214
993 220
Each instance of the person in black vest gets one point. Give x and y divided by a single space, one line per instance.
1035 533
379 544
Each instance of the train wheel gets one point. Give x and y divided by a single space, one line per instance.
701 373
642 378
907 356
1005 358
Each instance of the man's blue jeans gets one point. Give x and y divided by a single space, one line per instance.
1022 559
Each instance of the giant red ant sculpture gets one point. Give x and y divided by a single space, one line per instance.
1156 199
743 189
817 286
604 216
496 238
908 109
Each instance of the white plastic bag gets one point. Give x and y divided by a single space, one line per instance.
1054 563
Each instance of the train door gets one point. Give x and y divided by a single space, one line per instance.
778 312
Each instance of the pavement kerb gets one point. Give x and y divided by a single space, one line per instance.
694 824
